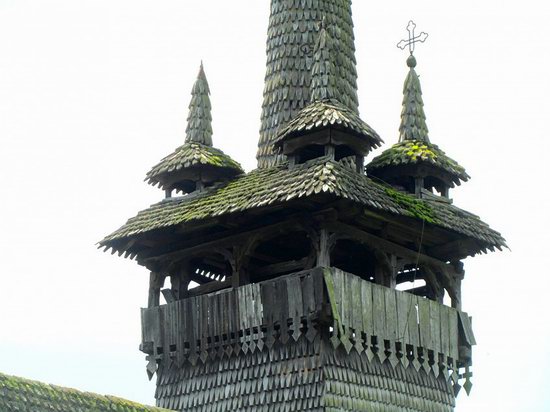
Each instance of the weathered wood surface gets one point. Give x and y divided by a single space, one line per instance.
365 317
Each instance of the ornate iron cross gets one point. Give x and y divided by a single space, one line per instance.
413 39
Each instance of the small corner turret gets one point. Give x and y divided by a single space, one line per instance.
327 126
197 164
414 163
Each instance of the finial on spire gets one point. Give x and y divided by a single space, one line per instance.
413 39
199 120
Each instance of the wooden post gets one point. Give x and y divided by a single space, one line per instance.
360 164
156 281
418 186
330 151
323 249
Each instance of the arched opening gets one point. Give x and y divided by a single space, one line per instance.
354 257
207 268
280 255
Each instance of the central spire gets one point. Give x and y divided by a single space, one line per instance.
293 31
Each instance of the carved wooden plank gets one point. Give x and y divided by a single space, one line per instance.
444 319
357 304
435 325
425 329
259 311
345 300
308 294
319 288
378 311
367 307
414 329
453 333
295 303
391 314
467 329
241 305
404 305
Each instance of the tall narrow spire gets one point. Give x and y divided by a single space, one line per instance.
413 120
199 120
196 164
293 30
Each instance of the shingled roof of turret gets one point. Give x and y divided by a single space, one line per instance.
414 145
325 108
293 31
197 150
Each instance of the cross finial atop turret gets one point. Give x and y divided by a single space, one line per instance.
413 38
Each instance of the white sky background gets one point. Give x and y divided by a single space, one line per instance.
94 93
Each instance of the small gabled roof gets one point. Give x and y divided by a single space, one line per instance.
326 109
197 152
24 395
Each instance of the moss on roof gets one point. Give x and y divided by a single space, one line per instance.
24 395
277 185
189 155
415 152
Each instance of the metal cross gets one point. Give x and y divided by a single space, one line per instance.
413 39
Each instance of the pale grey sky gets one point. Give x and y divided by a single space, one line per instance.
95 92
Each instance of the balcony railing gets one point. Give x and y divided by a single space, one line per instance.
353 313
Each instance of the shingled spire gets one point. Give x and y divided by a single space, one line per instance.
196 164
199 120
413 120
414 162
293 30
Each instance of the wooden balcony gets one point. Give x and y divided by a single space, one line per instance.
317 304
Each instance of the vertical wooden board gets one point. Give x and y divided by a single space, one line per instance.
241 305
425 329
319 289
283 301
267 291
357 303
414 328
233 314
337 280
466 327
212 316
308 296
259 309
435 325
453 333
366 307
391 313
346 300
379 311
276 307
294 291
404 305
445 341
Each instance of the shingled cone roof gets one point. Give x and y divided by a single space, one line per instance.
326 109
197 153
293 30
414 146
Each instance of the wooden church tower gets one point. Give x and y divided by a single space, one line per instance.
289 288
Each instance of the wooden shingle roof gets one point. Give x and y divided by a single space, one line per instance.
24 395
277 185
293 30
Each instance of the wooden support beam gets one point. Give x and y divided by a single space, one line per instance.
156 281
279 268
378 243
210 287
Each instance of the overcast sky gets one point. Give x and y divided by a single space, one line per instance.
93 93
